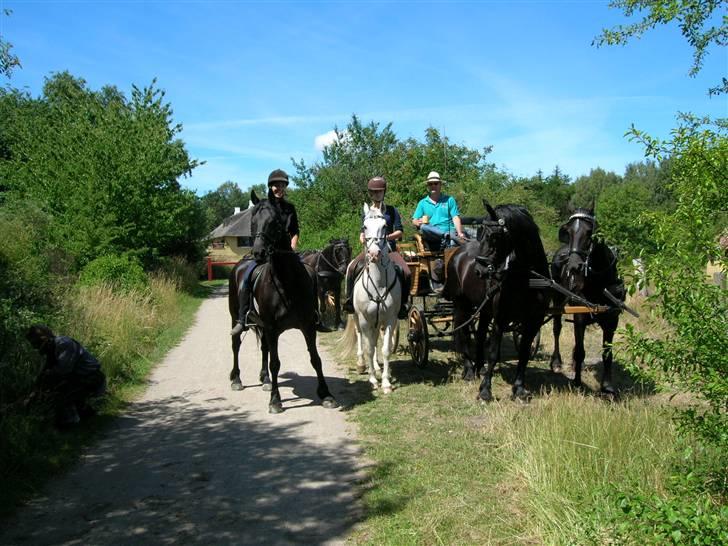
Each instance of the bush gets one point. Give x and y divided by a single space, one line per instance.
181 272
121 272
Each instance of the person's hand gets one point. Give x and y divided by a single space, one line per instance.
417 222
462 235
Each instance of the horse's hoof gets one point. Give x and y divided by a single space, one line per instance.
485 396
267 387
469 376
522 396
275 408
556 368
236 386
387 390
329 403
609 393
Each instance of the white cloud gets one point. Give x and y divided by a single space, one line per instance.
321 141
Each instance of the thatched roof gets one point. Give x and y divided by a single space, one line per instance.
237 225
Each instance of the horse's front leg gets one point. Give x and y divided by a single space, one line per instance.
386 352
481 335
327 400
496 334
264 376
579 352
235 383
462 339
524 353
608 329
275 405
361 366
368 341
556 355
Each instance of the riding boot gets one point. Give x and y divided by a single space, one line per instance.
404 283
244 302
349 302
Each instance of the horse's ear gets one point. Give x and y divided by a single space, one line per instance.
254 198
490 210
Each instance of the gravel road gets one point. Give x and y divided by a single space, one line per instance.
192 462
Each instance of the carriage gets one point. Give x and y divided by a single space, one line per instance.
431 314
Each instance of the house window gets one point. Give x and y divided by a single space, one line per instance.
245 241
218 244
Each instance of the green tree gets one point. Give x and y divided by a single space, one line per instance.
221 203
695 18
553 191
8 60
105 168
330 193
588 188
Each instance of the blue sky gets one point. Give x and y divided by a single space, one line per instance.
255 83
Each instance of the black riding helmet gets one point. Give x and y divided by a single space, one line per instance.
279 175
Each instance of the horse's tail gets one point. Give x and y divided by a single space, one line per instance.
347 341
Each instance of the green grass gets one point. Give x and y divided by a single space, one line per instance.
111 325
450 470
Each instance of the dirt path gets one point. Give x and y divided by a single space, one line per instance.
193 462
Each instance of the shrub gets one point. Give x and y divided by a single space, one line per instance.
121 272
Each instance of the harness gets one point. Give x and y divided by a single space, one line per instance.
378 297
334 267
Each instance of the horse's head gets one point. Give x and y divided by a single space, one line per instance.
375 234
493 245
341 254
267 228
577 233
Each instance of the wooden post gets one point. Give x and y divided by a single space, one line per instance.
209 268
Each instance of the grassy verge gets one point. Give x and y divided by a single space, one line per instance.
129 333
450 470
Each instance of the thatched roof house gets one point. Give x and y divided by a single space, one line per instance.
233 236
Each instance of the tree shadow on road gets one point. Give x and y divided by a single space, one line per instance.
171 471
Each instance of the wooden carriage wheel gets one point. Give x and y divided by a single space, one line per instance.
417 336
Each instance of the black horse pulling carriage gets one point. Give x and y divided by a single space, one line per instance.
500 281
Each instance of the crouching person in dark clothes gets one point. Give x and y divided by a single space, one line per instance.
70 378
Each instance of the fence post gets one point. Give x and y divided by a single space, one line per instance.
209 268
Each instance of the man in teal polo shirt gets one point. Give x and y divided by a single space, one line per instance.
437 215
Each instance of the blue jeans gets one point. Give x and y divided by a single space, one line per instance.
435 238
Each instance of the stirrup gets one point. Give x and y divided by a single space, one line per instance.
238 329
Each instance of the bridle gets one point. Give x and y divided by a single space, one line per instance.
583 253
495 270
271 235
372 290
339 262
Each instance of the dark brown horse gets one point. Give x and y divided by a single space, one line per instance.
586 267
330 267
492 275
284 297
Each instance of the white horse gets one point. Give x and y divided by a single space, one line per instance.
377 295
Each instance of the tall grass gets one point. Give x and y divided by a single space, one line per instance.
128 331
450 470
570 451
122 327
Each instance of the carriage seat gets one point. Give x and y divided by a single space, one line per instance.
422 249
